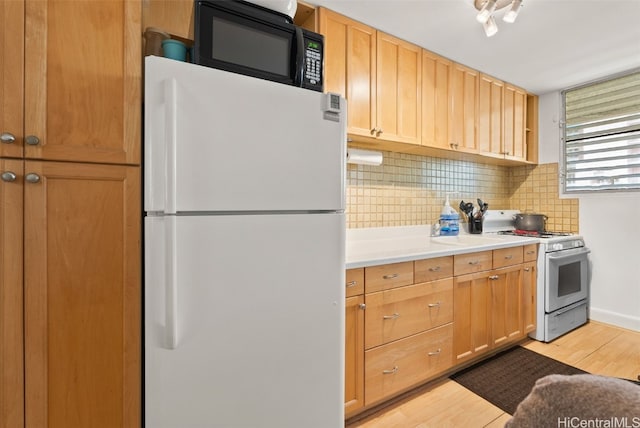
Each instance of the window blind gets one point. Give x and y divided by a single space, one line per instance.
602 135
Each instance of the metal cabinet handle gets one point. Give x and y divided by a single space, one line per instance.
7 138
32 140
474 262
509 257
390 276
374 131
32 177
351 284
434 269
391 317
531 252
8 176
434 305
431 354
380 131
392 371
494 277
362 306
527 269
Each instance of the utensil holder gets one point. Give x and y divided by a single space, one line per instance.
475 225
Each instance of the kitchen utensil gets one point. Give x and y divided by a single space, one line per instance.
534 222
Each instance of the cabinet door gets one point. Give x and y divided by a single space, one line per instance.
471 316
529 279
11 77
82 295
515 119
82 80
436 72
11 304
399 76
506 307
354 355
350 68
490 113
464 108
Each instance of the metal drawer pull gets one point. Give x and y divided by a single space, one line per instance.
531 252
392 371
351 284
391 317
431 354
433 305
434 269
391 276
32 140
475 262
509 257
8 176
494 277
7 138
32 177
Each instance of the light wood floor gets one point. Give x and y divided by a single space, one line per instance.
595 347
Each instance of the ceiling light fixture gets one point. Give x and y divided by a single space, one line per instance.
486 9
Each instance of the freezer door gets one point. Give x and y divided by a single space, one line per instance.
219 141
244 321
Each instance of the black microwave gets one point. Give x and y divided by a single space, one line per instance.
245 38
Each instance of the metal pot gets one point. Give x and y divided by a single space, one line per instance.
534 222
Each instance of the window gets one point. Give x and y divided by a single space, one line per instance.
602 135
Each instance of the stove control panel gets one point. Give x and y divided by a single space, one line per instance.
565 245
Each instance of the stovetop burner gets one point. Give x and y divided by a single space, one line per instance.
533 233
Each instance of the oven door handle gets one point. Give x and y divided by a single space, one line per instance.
568 253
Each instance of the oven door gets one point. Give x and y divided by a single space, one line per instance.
566 278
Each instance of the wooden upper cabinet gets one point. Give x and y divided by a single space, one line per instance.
463 115
11 77
11 292
399 76
350 68
82 79
515 122
490 115
436 74
82 295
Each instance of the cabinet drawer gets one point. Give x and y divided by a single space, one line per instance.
398 313
354 283
507 257
531 252
384 277
472 262
407 362
433 269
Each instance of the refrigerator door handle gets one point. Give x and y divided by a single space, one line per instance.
171 286
170 138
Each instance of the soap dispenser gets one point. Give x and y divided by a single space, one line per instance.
449 220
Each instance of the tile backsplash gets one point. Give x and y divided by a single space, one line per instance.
411 189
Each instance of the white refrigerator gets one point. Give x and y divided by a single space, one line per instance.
244 251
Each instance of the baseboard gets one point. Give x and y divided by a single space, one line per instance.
614 318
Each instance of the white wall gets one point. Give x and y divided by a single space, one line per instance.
610 225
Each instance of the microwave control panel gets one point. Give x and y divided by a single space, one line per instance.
313 67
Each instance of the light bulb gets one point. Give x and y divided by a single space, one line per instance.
490 27
486 11
512 14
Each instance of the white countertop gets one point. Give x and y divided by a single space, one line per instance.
382 245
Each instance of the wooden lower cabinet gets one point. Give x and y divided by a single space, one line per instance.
11 291
82 295
506 305
529 296
472 316
401 312
354 355
406 362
